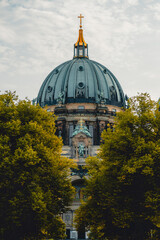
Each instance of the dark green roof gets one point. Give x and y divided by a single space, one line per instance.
81 80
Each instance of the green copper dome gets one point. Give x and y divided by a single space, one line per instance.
81 80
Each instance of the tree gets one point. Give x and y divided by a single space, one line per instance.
123 190
35 188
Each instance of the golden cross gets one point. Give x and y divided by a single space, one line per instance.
80 20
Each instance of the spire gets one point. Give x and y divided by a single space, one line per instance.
80 20
80 47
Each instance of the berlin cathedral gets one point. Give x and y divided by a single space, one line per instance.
85 96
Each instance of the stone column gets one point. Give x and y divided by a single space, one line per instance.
91 132
70 133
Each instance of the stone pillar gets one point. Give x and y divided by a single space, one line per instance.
91 132
77 152
70 133
67 134
86 151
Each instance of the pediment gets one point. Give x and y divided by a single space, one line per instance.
80 135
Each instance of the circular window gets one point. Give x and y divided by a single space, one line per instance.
49 89
81 85
80 68
105 70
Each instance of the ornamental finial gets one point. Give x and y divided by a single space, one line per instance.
80 20
80 47
81 123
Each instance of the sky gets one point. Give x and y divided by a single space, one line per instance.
38 35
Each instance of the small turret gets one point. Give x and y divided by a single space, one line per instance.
80 47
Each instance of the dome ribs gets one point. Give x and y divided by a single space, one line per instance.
81 80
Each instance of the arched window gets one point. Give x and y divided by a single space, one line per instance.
81 107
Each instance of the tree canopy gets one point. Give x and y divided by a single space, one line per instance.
123 190
35 188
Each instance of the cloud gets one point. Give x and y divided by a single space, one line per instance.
155 8
38 35
133 2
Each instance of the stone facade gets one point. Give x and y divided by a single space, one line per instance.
80 126
96 117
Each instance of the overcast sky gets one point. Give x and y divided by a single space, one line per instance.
38 35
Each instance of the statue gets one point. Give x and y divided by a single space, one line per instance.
81 150
102 100
113 93
34 101
60 97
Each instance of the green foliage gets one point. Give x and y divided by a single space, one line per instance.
124 186
35 187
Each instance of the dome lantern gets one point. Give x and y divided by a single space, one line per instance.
80 47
